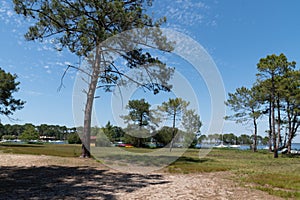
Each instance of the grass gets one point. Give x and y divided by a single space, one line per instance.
280 177
63 150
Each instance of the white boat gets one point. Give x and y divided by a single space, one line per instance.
295 152
221 146
235 146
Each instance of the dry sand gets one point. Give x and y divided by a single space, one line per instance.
48 177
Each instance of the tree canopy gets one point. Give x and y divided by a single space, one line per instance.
82 26
8 86
275 94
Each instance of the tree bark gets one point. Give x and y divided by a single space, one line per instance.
275 150
292 132
255 135
289 141
173 131
89 105
278 123
270 127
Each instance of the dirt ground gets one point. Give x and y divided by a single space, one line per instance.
48 177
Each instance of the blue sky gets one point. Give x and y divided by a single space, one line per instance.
236 34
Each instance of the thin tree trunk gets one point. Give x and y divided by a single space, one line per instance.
278 124
89 106
289 145
255 135
273 120
173 131
139 144
270 127
289 141
292 133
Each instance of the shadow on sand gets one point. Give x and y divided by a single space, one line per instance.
58 182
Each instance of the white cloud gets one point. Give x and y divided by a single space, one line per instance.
67 63
9 13
33 93
183 14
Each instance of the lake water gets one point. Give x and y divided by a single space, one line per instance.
295 146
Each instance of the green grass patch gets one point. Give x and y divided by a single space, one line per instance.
278 192
280 177
64 150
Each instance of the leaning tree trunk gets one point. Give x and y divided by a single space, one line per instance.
89 106
292 132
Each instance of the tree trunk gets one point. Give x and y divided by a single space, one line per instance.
255 135
89 106
173 131
139 143
289 141
278 124
270 127
292 132
289 146
275 150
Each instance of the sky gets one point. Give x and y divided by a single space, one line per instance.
235 34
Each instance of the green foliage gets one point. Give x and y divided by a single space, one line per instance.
191 121
174 108
245 104
54 132
164 135
82 25
137 136
29 133
139 112
265 140
229 138
9 137
273 81
187 139
276 93
202 138
140 121
8 86
74 138
113 133
273 65
102 140
244 139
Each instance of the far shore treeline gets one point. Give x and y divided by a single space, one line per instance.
45 132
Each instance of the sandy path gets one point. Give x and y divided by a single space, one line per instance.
47 177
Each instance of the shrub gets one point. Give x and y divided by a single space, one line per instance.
74 138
